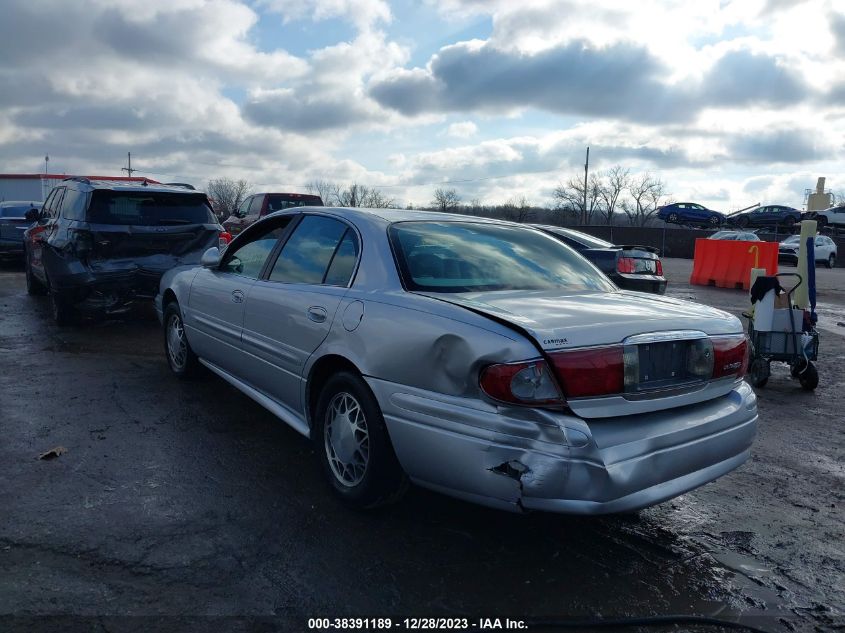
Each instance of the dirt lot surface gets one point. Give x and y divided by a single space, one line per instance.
186 506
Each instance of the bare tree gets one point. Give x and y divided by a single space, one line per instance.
227 194
614 182
517 210
570 196
356 195
375 199
446 200
324 189
646 192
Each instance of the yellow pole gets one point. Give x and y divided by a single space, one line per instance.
801 297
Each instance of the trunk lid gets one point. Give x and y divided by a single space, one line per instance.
112 241
564 321
13 228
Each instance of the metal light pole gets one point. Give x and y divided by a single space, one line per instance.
586 170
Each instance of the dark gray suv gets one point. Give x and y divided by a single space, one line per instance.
99 246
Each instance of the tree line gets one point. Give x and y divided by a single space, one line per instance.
613 197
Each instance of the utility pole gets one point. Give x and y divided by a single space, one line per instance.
586 170
128 169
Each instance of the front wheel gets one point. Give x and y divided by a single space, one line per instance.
181 358
714 220
353 445
673 218
831 261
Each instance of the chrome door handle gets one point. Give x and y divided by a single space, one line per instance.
317 314
237 296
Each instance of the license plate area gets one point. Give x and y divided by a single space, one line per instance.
659 365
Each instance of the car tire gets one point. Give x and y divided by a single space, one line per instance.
672 218
831 261
714 220
809 377
353 445
181 358
821 221
758 373
789 223
742 222
63 312
33 286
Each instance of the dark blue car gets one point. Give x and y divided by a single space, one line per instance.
690 213
770 215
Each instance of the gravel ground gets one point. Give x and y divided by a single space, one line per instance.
186 506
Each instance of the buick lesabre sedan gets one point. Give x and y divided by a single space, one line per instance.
478 358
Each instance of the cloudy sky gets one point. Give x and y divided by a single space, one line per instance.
730 102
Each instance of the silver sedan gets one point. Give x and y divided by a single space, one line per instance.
478 358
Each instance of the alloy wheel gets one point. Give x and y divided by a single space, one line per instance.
177 347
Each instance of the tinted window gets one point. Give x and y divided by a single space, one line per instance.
467 257
54 202
343 263
306 256
149 209
15 211
73 206
277 202
241 212
255 205
252 250
584 240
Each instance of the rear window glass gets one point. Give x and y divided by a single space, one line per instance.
149 209
16 211
277 202
470 257
587 240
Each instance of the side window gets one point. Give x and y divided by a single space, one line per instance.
255 205
343 263
56 203
49 201
73 206
248 258
307 254
243 208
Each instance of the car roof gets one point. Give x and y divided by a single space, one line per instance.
87 185
391 216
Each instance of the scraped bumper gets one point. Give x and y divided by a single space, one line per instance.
521 459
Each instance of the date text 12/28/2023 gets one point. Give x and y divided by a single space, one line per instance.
416 624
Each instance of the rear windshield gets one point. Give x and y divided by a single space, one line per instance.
15 212
587 240
470 257
149 209
277 202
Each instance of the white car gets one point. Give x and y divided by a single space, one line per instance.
742 236
834 216
825 250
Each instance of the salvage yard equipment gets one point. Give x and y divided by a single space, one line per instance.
785 334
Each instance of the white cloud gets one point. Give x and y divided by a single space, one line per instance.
463 129
362 13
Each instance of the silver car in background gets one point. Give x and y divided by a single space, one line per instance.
479 358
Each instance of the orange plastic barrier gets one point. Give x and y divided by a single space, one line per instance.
728 264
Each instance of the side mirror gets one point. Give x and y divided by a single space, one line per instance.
33 215
210 258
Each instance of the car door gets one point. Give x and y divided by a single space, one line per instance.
254 211
289 313
697 213
822 250
44 234
215 311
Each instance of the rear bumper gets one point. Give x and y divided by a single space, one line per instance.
531 459
641 283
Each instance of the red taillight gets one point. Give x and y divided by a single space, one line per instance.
626 265
527 383
659 268
35 231
590 372
730 356
224 239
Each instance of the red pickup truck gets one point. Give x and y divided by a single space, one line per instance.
260 204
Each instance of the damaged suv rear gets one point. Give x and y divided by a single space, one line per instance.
99 247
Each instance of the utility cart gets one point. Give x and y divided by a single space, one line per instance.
797 346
